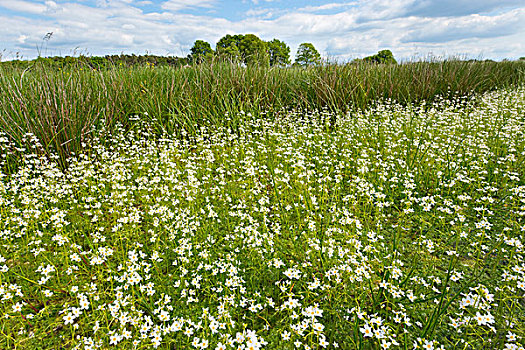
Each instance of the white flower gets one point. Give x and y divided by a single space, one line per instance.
69 318
511 336
367 331
114 339
429 345
17 307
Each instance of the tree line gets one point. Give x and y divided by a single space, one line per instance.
246 49
101 62
250 49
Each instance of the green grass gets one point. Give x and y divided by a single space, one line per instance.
397 226
62 107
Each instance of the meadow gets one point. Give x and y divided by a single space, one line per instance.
388 216
63 106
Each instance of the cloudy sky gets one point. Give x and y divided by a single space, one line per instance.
340 30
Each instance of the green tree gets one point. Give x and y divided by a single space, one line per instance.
253 50
307 55
279 53
201 51
228 47
382 57
249 48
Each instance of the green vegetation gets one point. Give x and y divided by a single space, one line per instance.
382 57
62 107
243 203
228 47
279 53
97 62
248 49
394 227
201 52
307 55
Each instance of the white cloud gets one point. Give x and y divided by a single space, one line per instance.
115 26
472 26
22 39
23 6
126 39
257 2
455 8
176 5
262 13
330 6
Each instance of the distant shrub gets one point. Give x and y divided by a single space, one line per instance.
99 62
382 57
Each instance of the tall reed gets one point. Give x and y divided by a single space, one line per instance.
62 107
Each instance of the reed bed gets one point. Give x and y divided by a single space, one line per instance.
62 107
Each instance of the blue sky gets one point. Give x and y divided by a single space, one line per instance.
341 30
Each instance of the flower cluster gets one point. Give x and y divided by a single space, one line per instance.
392 228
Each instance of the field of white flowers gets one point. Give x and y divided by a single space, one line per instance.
399 227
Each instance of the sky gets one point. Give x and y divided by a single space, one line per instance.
340 30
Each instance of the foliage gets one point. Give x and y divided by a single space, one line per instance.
96 62
307 55
228 47
253 50
382 57
248 48
201 52
279 53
